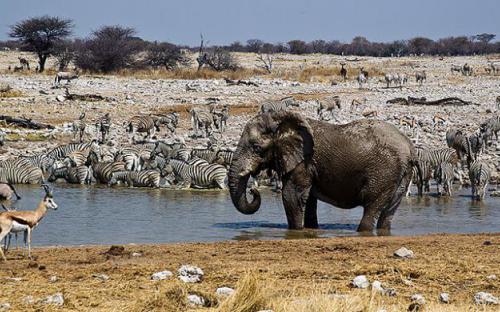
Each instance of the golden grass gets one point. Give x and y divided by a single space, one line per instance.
11 94
190 73
29 137
251 295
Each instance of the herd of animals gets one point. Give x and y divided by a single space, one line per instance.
149 162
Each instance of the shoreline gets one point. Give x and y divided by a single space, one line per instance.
301 268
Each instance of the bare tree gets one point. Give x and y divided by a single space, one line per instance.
266 62
202 55
41 34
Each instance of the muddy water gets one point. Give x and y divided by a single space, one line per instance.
101 215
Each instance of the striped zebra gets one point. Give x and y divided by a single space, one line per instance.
183 153
134 156
22 174
224 157
444 175
479 175
41 161
102 171
199 174
79 127
438 156
170 121
145 178
207 154
103 125
143 124
166 150
279 105
158 163
72 175
221 117
62 151
459 141
491 126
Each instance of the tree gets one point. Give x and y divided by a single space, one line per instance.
219 59
297 47
484 38
420 45
254 45
64 52
167 55
110 48
41 34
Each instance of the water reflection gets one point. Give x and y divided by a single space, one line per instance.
102 215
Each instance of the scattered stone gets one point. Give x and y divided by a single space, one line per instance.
60 98
56 299
137 254
418 298
101 277
360 281
13 279
377 286
444 298
160 276
190 274
414 307
403 252
491 277
53 279
195 300
485 298
487 243
32 265
116 251
4 306
224 291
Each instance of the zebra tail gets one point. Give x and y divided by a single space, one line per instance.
14 190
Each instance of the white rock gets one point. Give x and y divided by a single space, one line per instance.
163 275
53 279
136 254
418 298
28 300
4 306
377 286
195 300
491 277
101 277
190 274
224 291
360 281
403 252
485 298
444 297
56 299
60 98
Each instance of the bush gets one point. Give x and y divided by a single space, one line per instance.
166 55
220 59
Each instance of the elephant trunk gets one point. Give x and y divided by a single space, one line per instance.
238 186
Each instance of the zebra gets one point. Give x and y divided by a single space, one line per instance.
170 121
492 125
459 141
390 78
65 76
22 174
142 123
444 175
479 175
41 161
221 117
421 77
24 62
199 173
79 126
438 156
2 138
102 171
456 68
74 175
166 150
328 106
208 154
62 151
103 125
279 105
145 178
467 70
224 157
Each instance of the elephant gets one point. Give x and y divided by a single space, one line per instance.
364 163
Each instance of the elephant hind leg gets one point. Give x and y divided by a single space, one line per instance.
387 213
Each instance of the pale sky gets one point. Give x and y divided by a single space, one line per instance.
226 21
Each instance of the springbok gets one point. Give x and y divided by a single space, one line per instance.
361 78
343 71
18 220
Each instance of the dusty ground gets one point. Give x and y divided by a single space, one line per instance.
292 269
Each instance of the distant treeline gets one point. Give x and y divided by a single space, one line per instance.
112 48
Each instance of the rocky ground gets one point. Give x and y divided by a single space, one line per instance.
292 275
307 78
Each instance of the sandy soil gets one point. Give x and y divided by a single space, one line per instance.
457 264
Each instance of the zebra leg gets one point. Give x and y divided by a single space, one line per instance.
311 215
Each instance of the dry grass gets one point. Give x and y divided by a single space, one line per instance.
11 94
190 73
291 275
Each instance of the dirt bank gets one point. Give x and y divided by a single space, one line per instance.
457 264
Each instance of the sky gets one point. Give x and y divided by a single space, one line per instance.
226 21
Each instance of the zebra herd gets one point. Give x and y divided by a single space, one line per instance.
462 156
158 164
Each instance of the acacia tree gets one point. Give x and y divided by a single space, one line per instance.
166 54
41 34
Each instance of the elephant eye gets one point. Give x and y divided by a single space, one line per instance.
256 147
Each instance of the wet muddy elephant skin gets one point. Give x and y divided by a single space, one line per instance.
365 163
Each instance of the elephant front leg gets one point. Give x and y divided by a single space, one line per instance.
311 215
295 194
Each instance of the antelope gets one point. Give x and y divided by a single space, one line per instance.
368 114
356 103
343 71
65 76
15 221
439 120
23 230
361 77
24 62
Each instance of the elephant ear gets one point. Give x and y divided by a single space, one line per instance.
293 140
